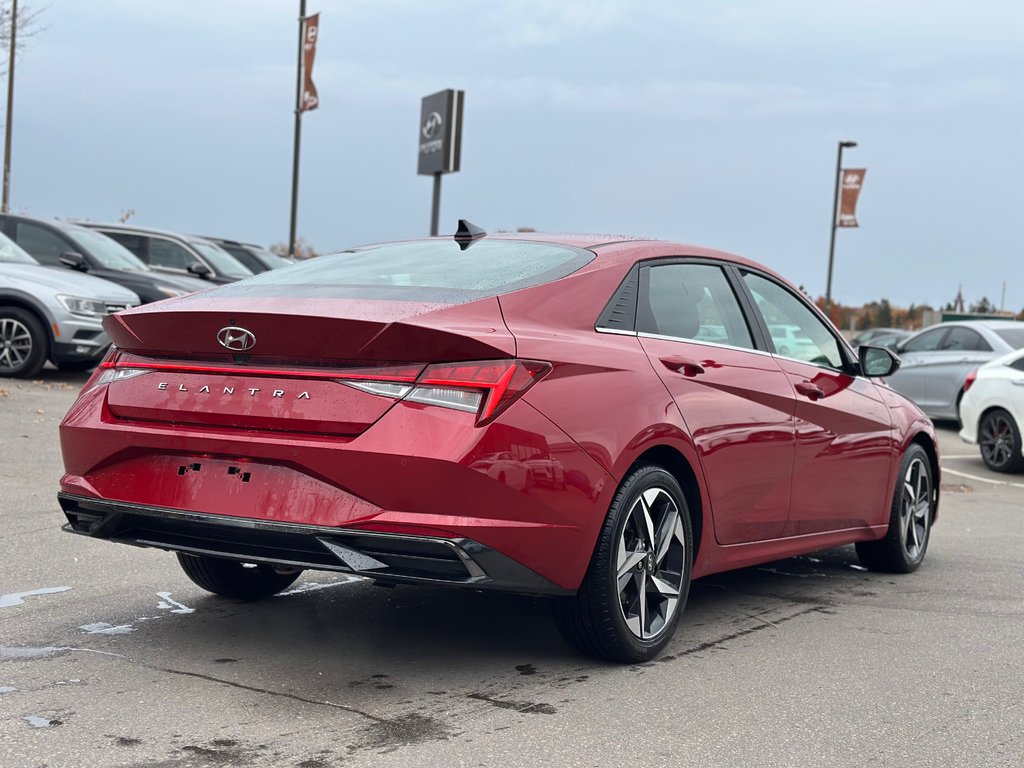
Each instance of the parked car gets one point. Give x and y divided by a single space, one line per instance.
889 340
870 334
936 360
346 414
255 257
51 314
57 243
176 254
790 342
992 411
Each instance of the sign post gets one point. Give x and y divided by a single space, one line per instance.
836 218
440 142
305 99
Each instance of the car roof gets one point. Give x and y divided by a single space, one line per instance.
140 230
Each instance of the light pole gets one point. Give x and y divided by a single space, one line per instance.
835 213
5 204
298 132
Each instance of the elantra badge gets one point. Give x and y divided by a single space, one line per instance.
236 339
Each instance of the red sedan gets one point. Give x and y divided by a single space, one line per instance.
598 419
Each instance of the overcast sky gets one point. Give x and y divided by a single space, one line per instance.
704 121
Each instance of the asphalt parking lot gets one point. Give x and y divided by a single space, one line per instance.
109 656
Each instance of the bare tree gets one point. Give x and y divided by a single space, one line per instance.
303 250
28 27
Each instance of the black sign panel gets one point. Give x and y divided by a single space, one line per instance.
440 133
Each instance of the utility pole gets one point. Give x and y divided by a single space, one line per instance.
298 130
6 206
835 216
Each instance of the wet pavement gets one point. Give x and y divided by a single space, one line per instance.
109 656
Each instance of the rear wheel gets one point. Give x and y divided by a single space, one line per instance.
903 548
630 601
23 343
999 440
234 579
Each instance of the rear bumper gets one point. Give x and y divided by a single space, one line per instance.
384 557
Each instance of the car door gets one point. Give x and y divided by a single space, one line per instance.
962 350
736 402
844 434
917 355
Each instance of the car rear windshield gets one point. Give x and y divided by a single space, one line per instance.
425 270
1012 336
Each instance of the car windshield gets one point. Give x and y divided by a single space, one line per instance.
223 262
427 270
110 253
1012 336
11 252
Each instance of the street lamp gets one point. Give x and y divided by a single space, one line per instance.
835 213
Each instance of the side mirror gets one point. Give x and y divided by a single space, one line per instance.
199 270
73 260
876 362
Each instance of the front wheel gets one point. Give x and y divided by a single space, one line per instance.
903 548
23 343
234 579
635 589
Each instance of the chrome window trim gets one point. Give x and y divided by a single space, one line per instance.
703 343
615 331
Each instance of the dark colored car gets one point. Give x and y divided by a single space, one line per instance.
255 257
539 414
176 254
869 335
57 243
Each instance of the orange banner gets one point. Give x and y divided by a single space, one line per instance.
853 180
310 100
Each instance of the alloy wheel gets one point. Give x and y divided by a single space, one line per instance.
15 343
650 563
916 509
997 440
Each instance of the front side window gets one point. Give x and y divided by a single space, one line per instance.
693 301
41 243
966 340
926 342
796 331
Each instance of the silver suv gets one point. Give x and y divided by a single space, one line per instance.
52 314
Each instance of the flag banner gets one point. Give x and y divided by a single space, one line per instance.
853 180
310 100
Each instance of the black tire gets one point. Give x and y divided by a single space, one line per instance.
73 366
999 442
24 345
595 619
904 545
234 579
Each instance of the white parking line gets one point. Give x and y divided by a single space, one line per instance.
963 456
981 479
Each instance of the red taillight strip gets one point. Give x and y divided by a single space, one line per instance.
331 375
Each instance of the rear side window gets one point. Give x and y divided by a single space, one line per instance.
164 253
692 301
425 270
1017 364
1012 336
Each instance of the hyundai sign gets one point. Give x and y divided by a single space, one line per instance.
440 132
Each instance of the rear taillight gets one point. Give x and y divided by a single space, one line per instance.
970 379
110 370
485 387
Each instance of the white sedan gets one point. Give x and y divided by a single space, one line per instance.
992 410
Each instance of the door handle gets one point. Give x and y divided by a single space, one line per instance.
683 365
812 391
1017 382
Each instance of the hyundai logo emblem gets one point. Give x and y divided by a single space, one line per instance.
431 125
236 339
